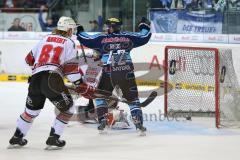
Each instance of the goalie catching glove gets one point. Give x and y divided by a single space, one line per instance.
85 90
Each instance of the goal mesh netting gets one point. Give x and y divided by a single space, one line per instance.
203 83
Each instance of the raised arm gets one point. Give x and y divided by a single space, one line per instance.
90 41
142 37
40 19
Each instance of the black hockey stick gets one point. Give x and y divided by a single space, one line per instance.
83 52
109 96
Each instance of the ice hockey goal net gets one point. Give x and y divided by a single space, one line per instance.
202 83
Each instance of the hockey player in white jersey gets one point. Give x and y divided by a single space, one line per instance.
51 59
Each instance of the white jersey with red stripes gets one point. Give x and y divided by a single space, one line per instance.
55 53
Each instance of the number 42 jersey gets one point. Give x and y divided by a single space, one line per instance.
55 53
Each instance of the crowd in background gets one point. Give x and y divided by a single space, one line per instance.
217 5
23 3
47 24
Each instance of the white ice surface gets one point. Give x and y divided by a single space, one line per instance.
164 141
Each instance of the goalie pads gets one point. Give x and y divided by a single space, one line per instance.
117 119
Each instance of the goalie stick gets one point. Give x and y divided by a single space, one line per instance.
107 95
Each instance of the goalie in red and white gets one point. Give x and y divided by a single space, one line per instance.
53 58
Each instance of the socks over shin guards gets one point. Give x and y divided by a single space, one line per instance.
25 120
60 122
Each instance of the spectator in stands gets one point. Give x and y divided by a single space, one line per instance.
97 26
47 26
166 4
186 4
195 5
30 26
9 3
16 26
94 26
220 6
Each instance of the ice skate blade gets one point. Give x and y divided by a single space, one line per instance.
15 146
103 132
49 148
142 133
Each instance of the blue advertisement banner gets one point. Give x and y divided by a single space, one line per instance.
163 21
183 22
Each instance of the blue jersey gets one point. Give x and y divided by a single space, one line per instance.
115 48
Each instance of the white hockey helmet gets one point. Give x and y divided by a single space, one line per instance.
66 23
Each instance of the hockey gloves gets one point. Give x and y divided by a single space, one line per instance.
85 90
80 29
144 24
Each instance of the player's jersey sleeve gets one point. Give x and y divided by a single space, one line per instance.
29 59
71 67
139 38
90 41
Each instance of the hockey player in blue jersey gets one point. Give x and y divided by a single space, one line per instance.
118 69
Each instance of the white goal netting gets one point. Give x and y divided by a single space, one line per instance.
203 83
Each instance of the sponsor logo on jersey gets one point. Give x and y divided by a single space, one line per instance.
121 68
115 39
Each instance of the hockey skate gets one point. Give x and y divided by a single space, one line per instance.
17 141
53 142
102 127
142 130
139 127
138 121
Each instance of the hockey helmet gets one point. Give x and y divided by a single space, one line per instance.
115 23
66 23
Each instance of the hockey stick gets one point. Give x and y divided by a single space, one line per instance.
83 52
109 96
143 104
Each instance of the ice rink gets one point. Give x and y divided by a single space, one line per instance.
165 140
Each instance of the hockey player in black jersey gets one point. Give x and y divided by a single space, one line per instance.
118 69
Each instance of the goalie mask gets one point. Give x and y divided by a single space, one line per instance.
113 25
